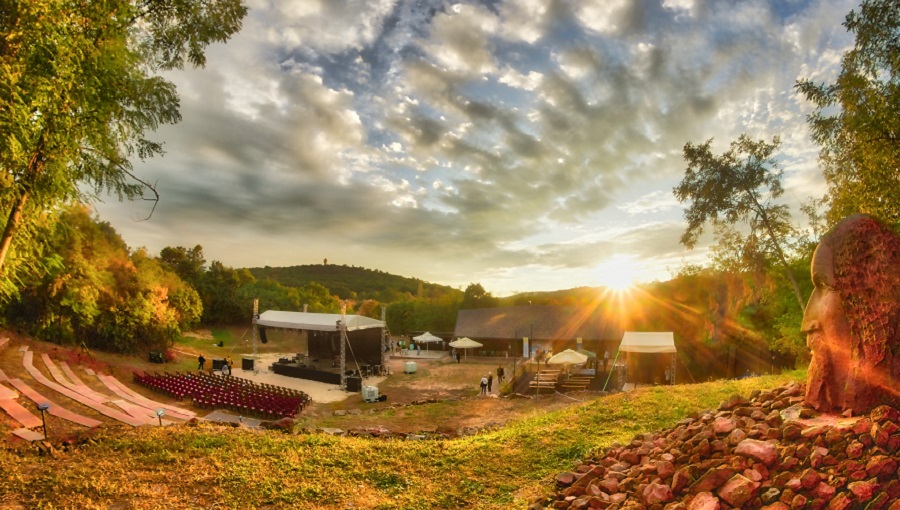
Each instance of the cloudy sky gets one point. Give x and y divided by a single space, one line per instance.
520 144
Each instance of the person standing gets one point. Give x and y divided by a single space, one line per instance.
200 362
605 359
490 381
484 385
458 356
500 374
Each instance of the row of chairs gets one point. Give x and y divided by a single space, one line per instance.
209 391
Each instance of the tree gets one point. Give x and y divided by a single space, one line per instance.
189 264
476 297
857 118
738 186
78 95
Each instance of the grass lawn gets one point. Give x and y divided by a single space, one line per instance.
213 466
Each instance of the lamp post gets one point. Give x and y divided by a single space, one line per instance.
44 407
159 414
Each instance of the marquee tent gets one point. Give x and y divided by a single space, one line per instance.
426 338
648 343
465 343
567 357
653 369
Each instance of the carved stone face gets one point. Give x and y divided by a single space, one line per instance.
828 337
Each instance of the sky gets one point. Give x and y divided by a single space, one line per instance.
526 145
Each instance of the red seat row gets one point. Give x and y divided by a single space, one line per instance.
214 391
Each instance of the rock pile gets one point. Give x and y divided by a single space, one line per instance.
756 453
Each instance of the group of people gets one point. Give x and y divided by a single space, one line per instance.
487 381
226 368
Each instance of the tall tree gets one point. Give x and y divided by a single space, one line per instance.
738 186
476 297
78 94
857 118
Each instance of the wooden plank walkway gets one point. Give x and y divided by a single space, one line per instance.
81 389
127 393
7 394
55 409
27 361
19 413
28 435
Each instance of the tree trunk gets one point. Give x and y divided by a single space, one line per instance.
12 224
781 257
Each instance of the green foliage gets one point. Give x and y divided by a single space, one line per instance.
737 187
350 282
102 295
476 297
856 117
78 95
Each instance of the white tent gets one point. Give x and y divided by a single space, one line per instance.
567 357
315 321
648 343
662 342
426 338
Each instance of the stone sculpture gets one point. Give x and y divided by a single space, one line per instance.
852 320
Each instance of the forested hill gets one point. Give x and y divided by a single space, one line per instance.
351 281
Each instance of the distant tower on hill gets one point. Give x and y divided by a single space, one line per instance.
325 262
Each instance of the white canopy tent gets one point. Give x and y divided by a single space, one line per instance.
648 343
567 357
662 342
426 338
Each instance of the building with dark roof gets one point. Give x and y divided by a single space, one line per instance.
522 330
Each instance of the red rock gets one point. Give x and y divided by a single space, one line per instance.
759 450
618 497
778 505
823 491
680 480
657 493
791 431
704 501
712 479
753 474
840 502
881 466
883 413
799 501
593 474
863 490
630 457
738 490
812 432
723 425
862 426
565 479
609 485
810 478
665 469
854 450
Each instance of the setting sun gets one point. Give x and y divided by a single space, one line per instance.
618 273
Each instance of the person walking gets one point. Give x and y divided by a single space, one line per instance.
490 381
484 385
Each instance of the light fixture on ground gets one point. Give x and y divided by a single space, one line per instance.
44 407
159 414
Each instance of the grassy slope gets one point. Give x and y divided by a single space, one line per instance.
220 467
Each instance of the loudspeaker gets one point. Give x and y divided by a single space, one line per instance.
262 335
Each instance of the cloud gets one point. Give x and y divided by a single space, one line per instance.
498 134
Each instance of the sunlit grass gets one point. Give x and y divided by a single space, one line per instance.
212 465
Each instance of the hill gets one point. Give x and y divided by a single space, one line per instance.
353 282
